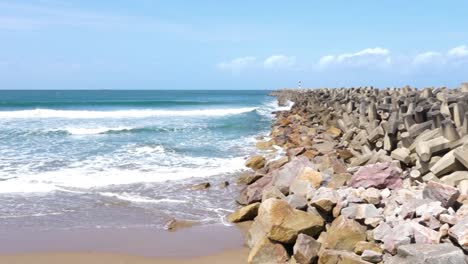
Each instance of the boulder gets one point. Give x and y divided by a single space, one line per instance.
253 193
276 164
306 249
255 162
264 145
201 186
361 246
340 257
282 223
427 254
245 213
401 234
371 195
248 178
446 194
283 177
266 251
459 232
360 211
297 201
272 192
310 175
425 235
380 176
324 199
372 256
343 234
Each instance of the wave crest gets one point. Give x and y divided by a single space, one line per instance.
132 113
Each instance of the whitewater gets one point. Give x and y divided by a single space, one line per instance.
80 159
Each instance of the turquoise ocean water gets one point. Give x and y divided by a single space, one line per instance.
71 159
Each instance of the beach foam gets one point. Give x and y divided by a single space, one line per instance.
88 114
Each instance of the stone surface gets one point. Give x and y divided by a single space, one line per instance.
310 175
459 232
272 192
297 201
343 234
372 256
306 249
201 186
324 199
245 213
360 211
364 245
428 254
425 235
255 162
248 178
282 223
253 193
380 175
266 251
340 257
443 193
283 177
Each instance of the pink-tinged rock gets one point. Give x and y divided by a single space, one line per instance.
283 177
253 193
401 235
446 194
380 175
425 235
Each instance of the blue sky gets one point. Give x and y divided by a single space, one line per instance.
151 44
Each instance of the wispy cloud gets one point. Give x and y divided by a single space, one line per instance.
365 57
237 65
279 61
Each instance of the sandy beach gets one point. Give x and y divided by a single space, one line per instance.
199 244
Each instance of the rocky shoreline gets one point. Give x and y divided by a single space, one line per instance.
368 176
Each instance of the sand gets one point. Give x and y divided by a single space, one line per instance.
199 244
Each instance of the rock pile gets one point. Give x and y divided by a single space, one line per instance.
369 176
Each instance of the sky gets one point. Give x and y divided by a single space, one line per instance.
212 44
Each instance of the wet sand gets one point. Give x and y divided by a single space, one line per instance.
199 244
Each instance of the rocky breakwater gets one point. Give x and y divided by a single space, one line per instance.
368 176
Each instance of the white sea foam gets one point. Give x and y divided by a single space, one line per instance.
92 131
85 114
99 173
139 199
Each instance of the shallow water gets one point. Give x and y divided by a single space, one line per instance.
80 159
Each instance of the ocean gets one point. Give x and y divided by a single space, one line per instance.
113 158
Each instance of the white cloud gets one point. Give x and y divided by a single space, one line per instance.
279 61
428 57
460 51
238 64
369 56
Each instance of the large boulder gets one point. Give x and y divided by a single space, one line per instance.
282 223
245 213
343 234
283 177
255 162
253 192
266 251
443 193
427 254
306 249
380 176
